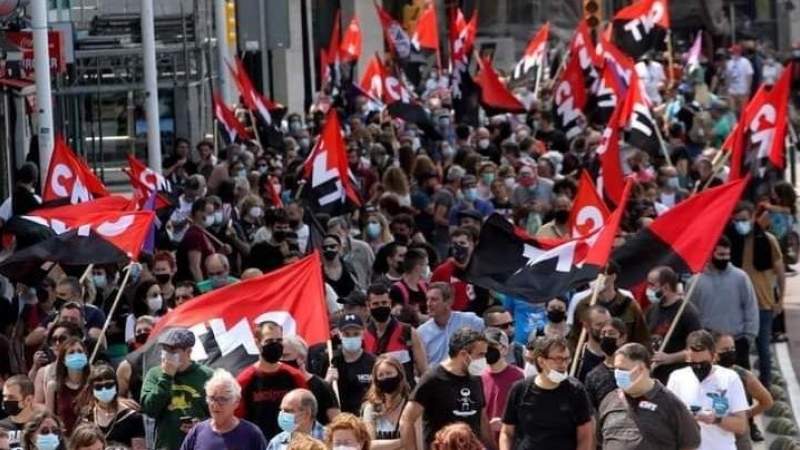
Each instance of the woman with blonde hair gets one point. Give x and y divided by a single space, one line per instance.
347 431
384 403
376 231
395 183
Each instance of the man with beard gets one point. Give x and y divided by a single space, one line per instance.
558 227
466 296
269 255
385 335
266 382
592 354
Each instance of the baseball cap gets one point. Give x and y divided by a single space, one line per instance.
496 336
177 337
350 320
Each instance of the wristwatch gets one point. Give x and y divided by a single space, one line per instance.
717 420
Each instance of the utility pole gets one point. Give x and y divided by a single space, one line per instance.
151 87
44 101
225 31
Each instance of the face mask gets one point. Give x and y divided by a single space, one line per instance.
330 255
241 173
492 355
701 369
256 212
720 264
727 359
162 278
293 223
76 362
304 143
526 182
459 253
155 303
743 227
100 281
654 296
373 229
609 345
556 316
510 182
483 144
380 313
624 379
209 221
286 421
448 152
426 272
488 178
415 144
174 358
105 395
295 125
351 344
471 194
272 352
388 385
556 376
11 407
476 366
530 370
561 216
218 280
673 183
262 170
47 442
141 338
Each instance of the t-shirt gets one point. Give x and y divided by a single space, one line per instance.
127 425
496 387
416 296
448 398
737 70
547 418
14 430
262 393
354 380
763 280
193 240
463 292
721 382
326 398
659 319
590 361
246 436
599 382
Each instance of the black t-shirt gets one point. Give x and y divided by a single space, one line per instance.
127 425
449 398
326 398
344 285
599 382
354 380
659 319
265 257
590 361
14 430
555 139
547 418
262 394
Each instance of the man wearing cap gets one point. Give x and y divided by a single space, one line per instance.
739 77
350 367
173 393
498 377
470 201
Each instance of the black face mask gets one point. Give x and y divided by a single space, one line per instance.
330 255
701 369
162 278
381 313
12 407
492 355
279 236
294 363
727 359
294 224
401 239
459 253
388 385
609 345
272 352
141 338
561 216
556 316
720 264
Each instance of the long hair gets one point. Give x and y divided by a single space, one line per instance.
87 402
374 395
32 427
395 181
139 306
61 369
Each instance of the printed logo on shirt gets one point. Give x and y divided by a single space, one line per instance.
183 396
467 404
648 405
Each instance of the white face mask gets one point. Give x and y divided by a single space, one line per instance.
476 366
155 303
530 370
556 376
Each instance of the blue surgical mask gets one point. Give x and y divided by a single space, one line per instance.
100 281
105 395
743 227
218 280
624 378
673 183
373 229
488 178
241 173
351 344
48 441
76 362
471 194
286 421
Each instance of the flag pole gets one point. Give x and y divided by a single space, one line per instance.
717 164
539 70
678 314
663 145
86 272
255 128
670 74
581 347
334 385
113 309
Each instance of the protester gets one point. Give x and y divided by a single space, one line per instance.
18 403
351 369
118 423
296 417
347 431
384 403
437 331
500 318
295 354
600 380
497 378
72 372
44 432
88 437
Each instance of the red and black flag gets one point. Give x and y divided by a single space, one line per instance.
622 65
399 41
570 98
641 26
611 180
330 185
234 131
465 92
495 97
151 179
401 104
534 60
589 212
607 96
588 60
69 179
267 114
223 319
642 129
682 238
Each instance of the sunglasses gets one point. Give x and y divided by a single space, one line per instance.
107 384
55 431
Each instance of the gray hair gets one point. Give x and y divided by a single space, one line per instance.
223 378
308 402
455 173
297 343
339 221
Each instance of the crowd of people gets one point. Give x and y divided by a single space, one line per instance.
421 358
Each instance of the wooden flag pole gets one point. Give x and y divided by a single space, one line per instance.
86 272
335 384
674 324
111 312
670 74
581 347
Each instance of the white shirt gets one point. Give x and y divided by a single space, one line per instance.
771 72
684 384
653 77
737 72
303 234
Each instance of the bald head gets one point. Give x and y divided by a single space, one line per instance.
303 404
217 264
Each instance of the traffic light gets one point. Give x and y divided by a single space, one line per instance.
230 22
592 12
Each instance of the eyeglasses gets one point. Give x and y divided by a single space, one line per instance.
60 339
218 400
559 359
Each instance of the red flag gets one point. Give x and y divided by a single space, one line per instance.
149 177
396 36
610 182
350 49
589 211
588 60
638 119
233 128
622 65
495 97
70 215
330 181
462 38
767 120
682 238
273 193
253 99
68 177
602 242
223 319
372 80
426 35
142 193
570 98
535 53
